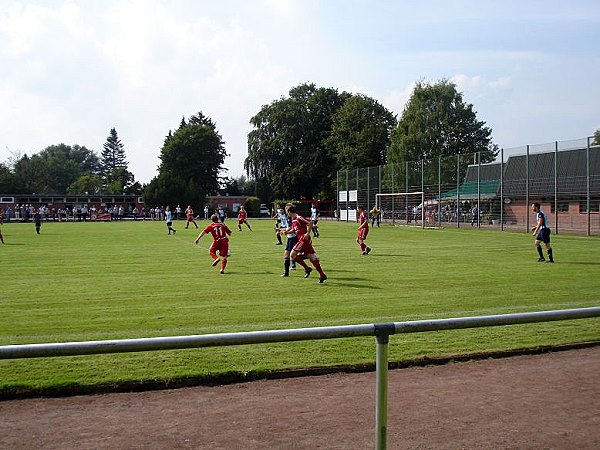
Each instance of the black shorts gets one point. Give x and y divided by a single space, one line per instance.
543 235
169 224
291 241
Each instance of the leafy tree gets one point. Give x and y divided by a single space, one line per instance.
437 122
164 190
86 183
238 186
596 137
54 169
287 155
7 179
361 133
191 161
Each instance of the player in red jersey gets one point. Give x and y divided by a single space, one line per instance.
243 218
189 213
363 230
302 227
219 232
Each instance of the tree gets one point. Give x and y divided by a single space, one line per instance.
54 169
361 133
437 122
287 155
7 179
112 157
88 183
191 162
596 137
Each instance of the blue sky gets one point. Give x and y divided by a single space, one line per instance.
72 70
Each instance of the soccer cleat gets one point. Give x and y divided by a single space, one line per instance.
222 272
285 274
174 231
550 261
541 260
215 262
307 272
293 267
322 278
364 253
368 250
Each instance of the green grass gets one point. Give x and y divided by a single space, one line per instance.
90 281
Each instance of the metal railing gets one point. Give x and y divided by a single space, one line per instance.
382 332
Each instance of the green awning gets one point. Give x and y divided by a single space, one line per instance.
488 189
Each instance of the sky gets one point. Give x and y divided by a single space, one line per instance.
72 70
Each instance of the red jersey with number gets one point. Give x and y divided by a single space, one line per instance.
218 230
190 214
242 214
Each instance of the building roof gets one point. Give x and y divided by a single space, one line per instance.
570 176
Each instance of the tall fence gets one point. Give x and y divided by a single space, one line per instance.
381 331
564 177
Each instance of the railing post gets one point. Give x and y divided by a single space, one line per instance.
382 333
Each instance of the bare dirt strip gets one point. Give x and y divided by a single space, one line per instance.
546 401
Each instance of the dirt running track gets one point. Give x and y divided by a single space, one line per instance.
549 401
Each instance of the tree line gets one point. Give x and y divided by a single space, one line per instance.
296 146
71 169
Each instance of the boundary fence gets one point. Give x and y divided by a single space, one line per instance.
381 331
564 177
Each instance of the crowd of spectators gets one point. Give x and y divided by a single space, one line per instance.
84 213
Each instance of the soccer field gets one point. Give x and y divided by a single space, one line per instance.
92 281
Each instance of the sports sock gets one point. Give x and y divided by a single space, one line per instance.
317 265
213 255
363 246
301 262
279 238
286 265
223 263
550 254
539 249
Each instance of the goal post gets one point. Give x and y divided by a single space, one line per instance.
402 207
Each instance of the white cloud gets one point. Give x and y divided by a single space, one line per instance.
71 69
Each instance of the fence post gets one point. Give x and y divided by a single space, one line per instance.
478 155
527 189
382 333
423 190
587 180
556 187
502 189
458 208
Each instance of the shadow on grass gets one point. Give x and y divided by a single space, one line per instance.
581 263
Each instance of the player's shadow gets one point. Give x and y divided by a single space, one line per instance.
389 255
356 283
12 243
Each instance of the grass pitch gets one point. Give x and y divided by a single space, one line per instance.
92 281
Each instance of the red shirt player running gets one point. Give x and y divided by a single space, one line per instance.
242 218
363 230
302 227
219 232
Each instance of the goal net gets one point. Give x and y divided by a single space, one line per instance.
408 208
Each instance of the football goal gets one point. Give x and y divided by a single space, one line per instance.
407 208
